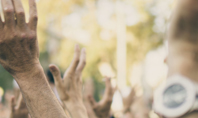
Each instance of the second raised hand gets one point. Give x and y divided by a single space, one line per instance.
103 107
70 87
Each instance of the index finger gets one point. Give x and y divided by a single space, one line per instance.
72 68
82 62
33 15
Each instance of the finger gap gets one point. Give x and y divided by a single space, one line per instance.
1 13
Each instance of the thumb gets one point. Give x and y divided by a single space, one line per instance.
56 73
92 101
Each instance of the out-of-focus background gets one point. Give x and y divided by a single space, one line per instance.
124 39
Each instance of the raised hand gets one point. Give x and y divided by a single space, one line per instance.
103 107
19 51
70 87
18 110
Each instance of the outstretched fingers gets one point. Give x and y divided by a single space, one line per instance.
82 63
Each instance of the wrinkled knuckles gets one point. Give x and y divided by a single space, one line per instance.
32 36
12 37
23 36
20 13
34 18
9 11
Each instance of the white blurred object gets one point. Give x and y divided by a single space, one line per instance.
121 45
106 70
15 84
155 70
56 93
117 104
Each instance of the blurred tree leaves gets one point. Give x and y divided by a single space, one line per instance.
64 23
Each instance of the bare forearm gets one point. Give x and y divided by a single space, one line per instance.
40 100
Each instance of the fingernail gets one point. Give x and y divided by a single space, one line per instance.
52 68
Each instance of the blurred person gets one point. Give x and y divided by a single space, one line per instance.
103 107
178 98
70 86
19 55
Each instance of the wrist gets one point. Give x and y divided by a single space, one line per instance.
29 73
34 78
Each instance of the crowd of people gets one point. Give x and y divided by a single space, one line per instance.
19 55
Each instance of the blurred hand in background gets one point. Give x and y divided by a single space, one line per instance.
18 109
70 87
103 107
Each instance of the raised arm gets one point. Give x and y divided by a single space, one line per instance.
19 55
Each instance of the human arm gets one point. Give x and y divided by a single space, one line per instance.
70 87
19 55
